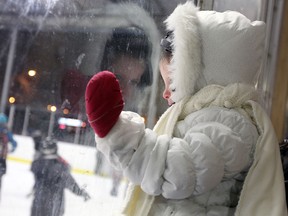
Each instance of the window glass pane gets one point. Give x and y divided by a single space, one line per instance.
250 9
49 51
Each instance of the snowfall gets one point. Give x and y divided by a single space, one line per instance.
17 183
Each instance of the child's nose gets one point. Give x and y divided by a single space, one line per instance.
166 93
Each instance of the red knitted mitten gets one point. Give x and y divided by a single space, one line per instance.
104 102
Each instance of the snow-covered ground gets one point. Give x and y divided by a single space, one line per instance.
18 182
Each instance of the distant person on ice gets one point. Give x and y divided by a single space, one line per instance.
52 176
6 137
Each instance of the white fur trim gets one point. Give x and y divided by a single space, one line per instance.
210 47
186 63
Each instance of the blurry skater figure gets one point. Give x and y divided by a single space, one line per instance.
6 137
52 176
214 150
99 163
127 54
37 137
116 180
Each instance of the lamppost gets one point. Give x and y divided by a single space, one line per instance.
11 100
53 110
26 120
8 71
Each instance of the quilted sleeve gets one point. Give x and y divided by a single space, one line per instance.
178 167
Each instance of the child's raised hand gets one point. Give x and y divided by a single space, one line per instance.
104 102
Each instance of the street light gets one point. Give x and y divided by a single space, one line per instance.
32 73
12 100
53 108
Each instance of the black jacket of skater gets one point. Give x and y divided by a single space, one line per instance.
52 176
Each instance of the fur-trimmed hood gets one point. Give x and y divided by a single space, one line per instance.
213 48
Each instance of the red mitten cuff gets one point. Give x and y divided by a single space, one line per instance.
104 102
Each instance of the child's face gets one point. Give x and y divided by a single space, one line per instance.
164 63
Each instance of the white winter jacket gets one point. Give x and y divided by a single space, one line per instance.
196 159
200 171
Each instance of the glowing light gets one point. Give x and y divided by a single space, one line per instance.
70 122
65 111
12 100
53 108
62 126
32 73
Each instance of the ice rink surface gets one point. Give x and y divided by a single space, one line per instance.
17 183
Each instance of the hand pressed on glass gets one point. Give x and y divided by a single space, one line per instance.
104 102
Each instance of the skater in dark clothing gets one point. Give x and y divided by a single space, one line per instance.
6 137
52 176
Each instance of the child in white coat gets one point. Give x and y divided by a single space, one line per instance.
213 152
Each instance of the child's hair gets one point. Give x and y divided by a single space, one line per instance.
167 46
